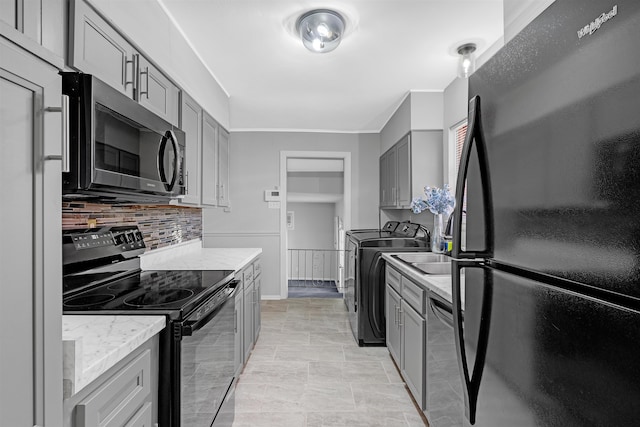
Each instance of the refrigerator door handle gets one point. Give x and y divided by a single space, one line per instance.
471 383
474 135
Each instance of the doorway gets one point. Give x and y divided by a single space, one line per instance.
315 210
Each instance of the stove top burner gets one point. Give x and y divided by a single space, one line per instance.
158 298
88 300
124 285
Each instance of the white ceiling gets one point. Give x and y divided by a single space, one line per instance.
391 47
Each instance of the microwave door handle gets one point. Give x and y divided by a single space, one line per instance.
161 153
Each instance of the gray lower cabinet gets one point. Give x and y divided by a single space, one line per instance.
392 308
248 325
413 353
251 306
30 251
257 292
407 331
238 330
124 396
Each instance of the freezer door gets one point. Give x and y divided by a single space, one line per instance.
545 356
561 127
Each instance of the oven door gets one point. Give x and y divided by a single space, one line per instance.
207 359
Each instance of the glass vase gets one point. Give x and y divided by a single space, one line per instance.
438 244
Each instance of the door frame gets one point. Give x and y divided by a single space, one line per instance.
284 156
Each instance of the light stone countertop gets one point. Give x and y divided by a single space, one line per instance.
93 344
192 256
439 284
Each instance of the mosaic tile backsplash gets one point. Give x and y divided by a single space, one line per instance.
161 225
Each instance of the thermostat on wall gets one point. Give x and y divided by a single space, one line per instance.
271 195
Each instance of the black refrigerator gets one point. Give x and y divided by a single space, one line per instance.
549 334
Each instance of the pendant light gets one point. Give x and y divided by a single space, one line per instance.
466 60
321 30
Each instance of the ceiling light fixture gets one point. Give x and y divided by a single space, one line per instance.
466 60
321 30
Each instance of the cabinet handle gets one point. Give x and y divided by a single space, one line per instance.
395 319
400 312
235 321
134 73
64 156
186 181
146 91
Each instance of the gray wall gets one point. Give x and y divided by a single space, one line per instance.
255 167
313 225
418 111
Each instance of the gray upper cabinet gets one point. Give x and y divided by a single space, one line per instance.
30 254
403 172
156 92
209 161
223 167
96 47
411 164
207 156
191 124
34 25
388 178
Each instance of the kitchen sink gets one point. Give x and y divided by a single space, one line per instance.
426 263
422 257
433 267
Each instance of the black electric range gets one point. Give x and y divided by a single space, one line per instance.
102 275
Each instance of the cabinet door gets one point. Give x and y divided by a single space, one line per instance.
191 124
223 167
248 334
156 92
38 21
392 307
209 160
30 252
143 418
403 184
96 48
392 178
413 357
238 331
256 308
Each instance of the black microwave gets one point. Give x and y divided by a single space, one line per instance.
118 150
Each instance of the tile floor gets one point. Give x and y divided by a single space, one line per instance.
306 370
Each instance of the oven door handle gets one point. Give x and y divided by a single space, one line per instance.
189 327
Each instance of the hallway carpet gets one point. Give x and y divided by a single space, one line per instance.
313 289
307 371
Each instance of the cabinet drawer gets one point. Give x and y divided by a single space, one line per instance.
247 275
393 278
120 398
257 268
414 295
